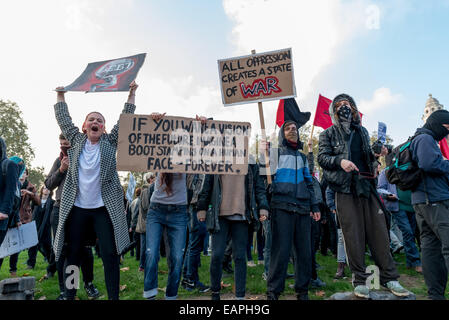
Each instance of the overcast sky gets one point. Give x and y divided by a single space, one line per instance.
389 55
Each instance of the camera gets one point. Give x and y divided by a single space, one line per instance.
377 147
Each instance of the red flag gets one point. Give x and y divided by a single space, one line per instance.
322 116
280 113
444 148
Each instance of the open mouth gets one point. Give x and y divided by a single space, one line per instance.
94 128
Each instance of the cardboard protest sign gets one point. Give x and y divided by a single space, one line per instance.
18 239
257 77
183 145
106 76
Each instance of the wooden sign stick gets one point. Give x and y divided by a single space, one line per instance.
264 137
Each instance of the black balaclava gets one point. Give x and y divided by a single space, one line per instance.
435 124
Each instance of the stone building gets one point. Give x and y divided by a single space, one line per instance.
432 105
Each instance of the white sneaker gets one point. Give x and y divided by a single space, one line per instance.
251 264
396 289
362 291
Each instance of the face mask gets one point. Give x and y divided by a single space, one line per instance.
344 112
64 150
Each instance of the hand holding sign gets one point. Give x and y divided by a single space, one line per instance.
132 92
60 94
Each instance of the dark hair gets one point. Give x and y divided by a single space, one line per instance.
42 190
62 137
167 179
138 191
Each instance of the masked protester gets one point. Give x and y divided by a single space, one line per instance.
431 202
349 166
55 180
92 197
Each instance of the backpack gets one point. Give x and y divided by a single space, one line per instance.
403 170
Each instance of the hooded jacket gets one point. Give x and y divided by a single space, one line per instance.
292 188
428 156
334 147
9 177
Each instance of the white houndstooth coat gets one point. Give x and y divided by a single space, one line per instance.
111 189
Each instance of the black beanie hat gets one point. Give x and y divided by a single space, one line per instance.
435 124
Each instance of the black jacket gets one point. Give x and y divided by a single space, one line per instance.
42 218
255 197
334 147
9 177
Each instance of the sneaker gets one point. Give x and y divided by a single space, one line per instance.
251 264
215 296
317 283
260 262
202 288
264 276
141 269
272 296
91 291
227 268
187 284
396 289
398 250
61 296
13 274
302 296
151 298
361 291
418 269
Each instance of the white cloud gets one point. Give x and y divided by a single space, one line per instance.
315 30
382 98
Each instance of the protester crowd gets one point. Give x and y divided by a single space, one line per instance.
351 212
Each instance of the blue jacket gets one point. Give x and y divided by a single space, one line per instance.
292 187
384 188
8 185
426 153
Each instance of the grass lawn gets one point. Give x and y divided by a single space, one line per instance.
131 280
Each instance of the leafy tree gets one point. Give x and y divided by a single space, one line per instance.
37 176
13 130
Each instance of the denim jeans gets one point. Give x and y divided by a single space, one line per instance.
173 218
197 234
238 231
407 224
143 247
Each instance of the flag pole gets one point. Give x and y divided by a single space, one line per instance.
264 137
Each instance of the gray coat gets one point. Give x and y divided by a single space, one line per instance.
111 189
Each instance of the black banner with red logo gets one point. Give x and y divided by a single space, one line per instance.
108 76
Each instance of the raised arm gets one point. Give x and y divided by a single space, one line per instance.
129 107
69 130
